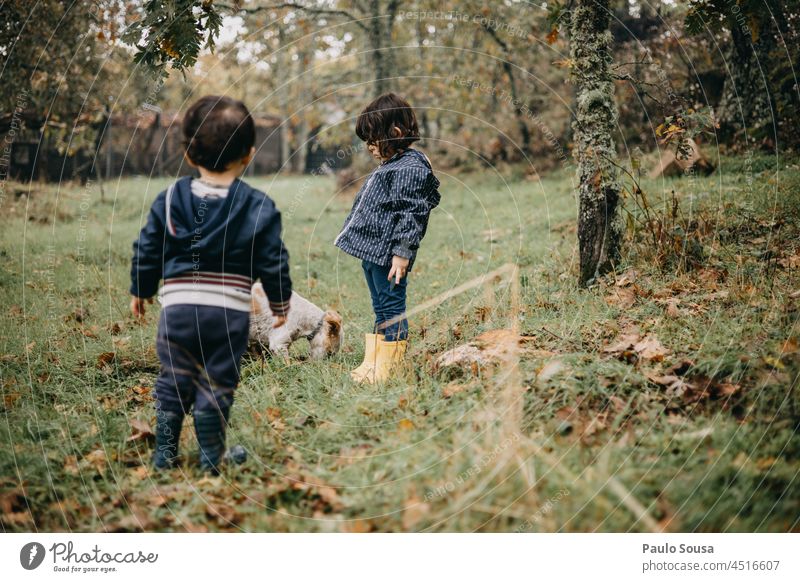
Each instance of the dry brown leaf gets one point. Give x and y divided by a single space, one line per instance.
550 369
493 346
10 398
627 278
105 359
665 380
452 388
224 513
349 455
405 424
596 424
624 344
97 460
140 473
414 512
650 349
727 389
12 501
356 526
790 346
140 430
622 297
71 465
672 307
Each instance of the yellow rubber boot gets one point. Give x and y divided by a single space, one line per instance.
367 367
390 356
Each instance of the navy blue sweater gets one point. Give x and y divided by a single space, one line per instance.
239 234
390 213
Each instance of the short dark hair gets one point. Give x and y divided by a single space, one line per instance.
218 131
374 124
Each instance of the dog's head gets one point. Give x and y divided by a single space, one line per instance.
329 339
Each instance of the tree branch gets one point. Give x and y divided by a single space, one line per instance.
294 5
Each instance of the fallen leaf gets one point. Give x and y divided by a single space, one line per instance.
140 430
549 370
357 526
680 368
405 424
452 388
224 513
10 398
622 297
12 501
627 278
96 460
790 346
672 307
71 465
80 314
664 380
774 363
650 349
414 512
624 344
105 359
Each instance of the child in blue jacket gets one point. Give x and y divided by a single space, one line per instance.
209 239
384 229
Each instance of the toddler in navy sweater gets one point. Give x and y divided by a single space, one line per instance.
209 239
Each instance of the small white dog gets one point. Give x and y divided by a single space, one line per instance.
322 329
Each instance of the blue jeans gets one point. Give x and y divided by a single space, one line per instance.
387 302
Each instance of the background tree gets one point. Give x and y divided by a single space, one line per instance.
595 119
62 59
761 96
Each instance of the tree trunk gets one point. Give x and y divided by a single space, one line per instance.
284 100
747 108
599 227
380 35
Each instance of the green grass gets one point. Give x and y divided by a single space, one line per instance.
594 447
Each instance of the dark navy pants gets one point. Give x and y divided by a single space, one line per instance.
200 349
387 302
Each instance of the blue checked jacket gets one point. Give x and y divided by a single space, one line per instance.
390 213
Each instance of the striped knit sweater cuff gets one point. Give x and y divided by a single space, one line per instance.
279 308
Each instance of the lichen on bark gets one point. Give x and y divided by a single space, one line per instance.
599 226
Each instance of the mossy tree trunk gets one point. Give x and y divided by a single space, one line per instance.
599 227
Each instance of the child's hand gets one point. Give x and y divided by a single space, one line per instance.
398 270
137 305
279 320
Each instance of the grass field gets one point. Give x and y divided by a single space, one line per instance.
658 399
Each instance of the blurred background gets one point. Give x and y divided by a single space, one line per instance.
96 88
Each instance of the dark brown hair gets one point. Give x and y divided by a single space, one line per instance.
374 124
218 131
